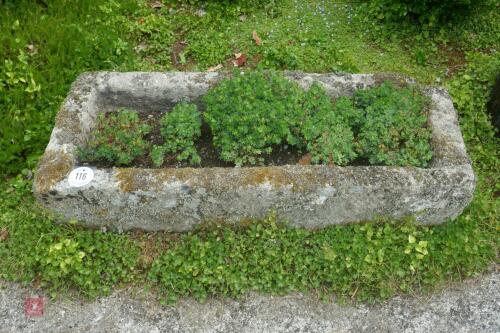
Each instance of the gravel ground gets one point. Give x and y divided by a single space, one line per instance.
473 306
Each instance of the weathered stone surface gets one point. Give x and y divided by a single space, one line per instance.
469 307
177 199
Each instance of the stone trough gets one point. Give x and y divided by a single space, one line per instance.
177 199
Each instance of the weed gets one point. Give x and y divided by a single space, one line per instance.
425 12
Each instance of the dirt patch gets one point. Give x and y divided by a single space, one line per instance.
153 244
178 58
453 58
4 234
177 49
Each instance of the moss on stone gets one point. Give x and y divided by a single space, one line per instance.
136 179
52 168
69 122
399 80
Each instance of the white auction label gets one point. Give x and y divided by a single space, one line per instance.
80 176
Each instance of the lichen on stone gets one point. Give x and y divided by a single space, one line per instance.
52 168
399 80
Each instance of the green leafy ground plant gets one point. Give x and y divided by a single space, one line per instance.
425 12
38 64
252 112
180 129
117 138
436 33
58 257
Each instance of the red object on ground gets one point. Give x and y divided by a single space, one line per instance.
33 306
241 59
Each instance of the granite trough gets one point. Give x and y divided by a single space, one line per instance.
178 199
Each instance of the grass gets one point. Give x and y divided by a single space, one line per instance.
42 50
365 262
313 36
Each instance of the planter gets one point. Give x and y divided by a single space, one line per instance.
177 199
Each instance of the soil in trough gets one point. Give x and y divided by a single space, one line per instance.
281 155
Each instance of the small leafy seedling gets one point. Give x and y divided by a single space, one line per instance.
180 129
117 138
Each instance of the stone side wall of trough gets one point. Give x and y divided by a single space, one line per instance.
177 199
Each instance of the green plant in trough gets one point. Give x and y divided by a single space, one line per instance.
117 138
327 134
250 113
353 115
180 128
394 131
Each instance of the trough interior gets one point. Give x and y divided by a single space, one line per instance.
109 99
158 97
